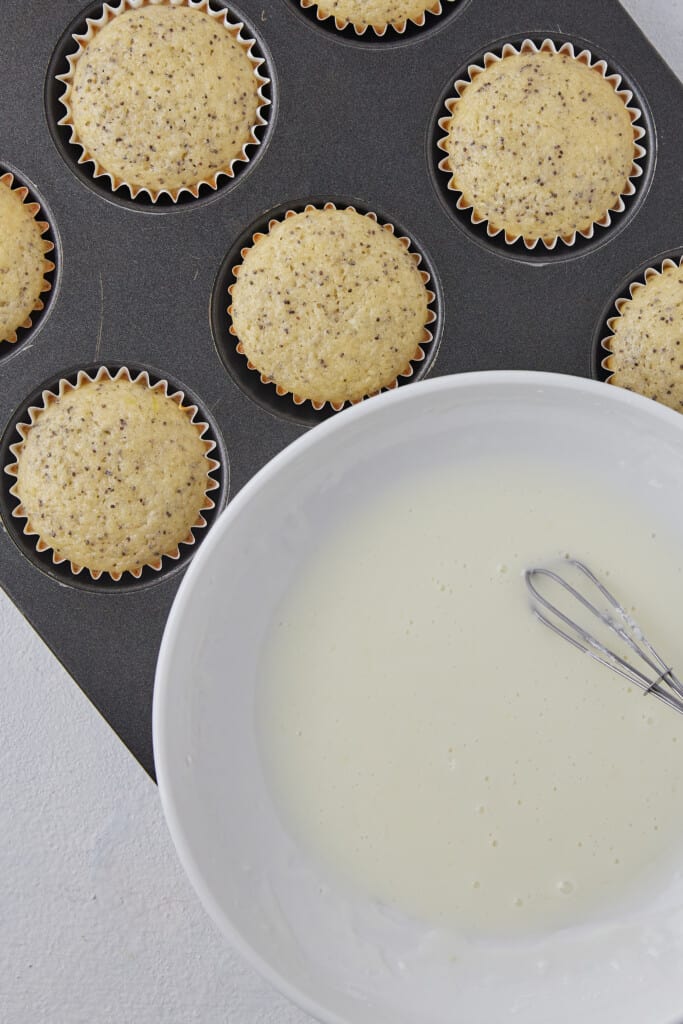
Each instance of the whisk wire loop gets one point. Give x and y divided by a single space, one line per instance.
665 685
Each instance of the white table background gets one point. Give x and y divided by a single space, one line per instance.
97 921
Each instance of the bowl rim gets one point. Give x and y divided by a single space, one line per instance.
163 757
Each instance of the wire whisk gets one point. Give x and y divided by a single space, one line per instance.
657 678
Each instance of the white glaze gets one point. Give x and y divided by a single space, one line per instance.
437 747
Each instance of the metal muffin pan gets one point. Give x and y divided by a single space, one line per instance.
353 120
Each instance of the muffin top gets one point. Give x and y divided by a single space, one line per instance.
164 97
539 144
376 12
112 475
647 340
22 261
329 305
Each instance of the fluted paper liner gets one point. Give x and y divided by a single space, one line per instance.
322 14
162 388
110 11
419 353
48 266
622 303
583 57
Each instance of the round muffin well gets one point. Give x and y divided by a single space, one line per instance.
112 473
163 98
330 306
540 144
645 346
378 15
23 259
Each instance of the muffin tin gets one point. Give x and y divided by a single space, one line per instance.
352 120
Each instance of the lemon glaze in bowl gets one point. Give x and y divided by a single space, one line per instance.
340 956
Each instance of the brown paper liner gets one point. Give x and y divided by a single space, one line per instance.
379 29
584 57
621 303
64 387
48 266
111 11
405 373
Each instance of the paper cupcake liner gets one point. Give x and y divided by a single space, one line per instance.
322 14
48 266
111 11
584 57
419 353
622 303
64 387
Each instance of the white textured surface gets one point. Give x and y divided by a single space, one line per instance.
97 921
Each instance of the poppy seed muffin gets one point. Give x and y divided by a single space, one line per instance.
646 345
376 14
329 305
112 474
23 262
163 97
540 145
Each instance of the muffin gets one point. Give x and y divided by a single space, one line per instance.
330 306
375 14
23 259
646 343
112 474
163 98
541 144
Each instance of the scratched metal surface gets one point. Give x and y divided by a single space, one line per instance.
351 121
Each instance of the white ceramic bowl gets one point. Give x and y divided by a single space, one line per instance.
339 957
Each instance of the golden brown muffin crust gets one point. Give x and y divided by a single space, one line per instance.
329 305
112 475
540 145
22 261
376 12
647 340
164 97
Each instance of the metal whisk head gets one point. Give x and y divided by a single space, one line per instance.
653 676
